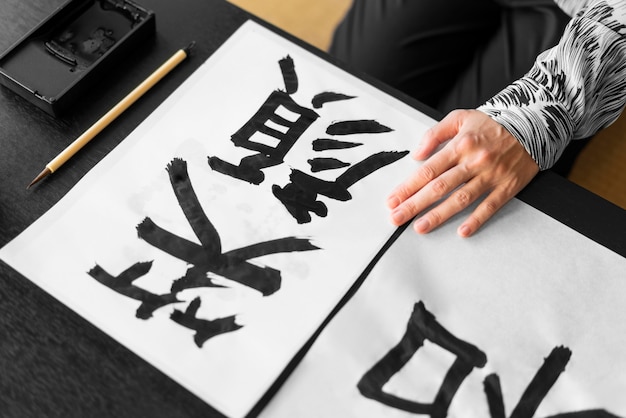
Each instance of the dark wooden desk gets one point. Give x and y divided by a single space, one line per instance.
53 362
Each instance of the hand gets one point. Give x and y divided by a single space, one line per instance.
481 157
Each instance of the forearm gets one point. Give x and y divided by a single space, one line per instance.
573 90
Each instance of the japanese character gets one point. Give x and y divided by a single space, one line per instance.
122 284
205 329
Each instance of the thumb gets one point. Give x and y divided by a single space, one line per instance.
442 132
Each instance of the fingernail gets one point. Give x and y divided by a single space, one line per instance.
397 216
464 231
421 225
393 202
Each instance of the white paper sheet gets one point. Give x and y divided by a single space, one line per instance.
517 290
95 225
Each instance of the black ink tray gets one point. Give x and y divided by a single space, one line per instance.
58 60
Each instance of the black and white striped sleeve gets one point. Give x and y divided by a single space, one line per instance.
574 89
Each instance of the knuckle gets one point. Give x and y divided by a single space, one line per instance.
458 113
439 187
490 207
482 159
410 208
426 173
466 143
401 191
487 157
435 217
463 198
483 213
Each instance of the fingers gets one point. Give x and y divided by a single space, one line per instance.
455 204
431 192
485 210
481 159
438 164
494 202
406 192
458 201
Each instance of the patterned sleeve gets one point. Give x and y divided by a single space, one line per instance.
574 89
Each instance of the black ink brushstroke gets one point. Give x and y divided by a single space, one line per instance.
205 258
280 245
188 201
122 284
205 329
350 127
314 185
322 164
290 77
300 195
543 381
172 244
536 391
493 390
369 165
299 202
338 189
591 413
264 279
249 168
328 96
323 144
194 277
422 326
197 277
266 112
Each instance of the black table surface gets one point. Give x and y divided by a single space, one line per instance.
53 362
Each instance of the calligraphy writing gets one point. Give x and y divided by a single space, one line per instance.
423 326
300 196
203 258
